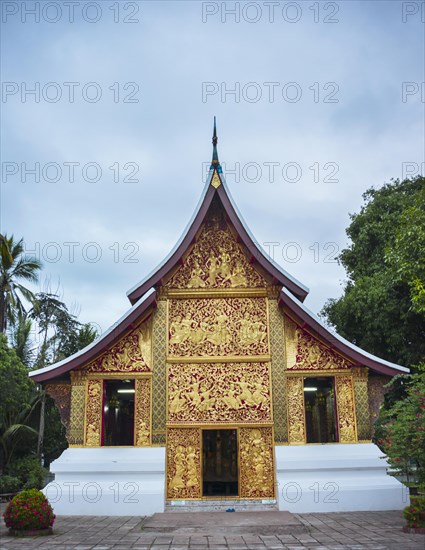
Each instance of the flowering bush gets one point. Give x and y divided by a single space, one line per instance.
29 510
415 513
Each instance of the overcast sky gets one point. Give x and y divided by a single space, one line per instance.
328 100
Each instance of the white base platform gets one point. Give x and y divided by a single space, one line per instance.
120 481
336 478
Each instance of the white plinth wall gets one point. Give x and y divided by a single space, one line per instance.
107 481
336 478
126 481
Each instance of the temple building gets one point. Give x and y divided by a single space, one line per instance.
217 389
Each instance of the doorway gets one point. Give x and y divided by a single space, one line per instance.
319 399
220 463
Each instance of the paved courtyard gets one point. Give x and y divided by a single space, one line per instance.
336 531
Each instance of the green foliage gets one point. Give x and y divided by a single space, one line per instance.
401 430
14 267
415 512
29 472
29 510
9 484
54 441
385 268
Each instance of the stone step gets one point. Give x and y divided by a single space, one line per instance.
220 505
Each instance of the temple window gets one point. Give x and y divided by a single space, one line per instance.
319 399
118 412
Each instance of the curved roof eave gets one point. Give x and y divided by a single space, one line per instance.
90 352
336 341
281 276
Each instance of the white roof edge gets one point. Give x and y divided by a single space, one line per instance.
95 342
257 245
343 340
178 243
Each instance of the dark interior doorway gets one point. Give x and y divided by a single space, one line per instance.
319 399
118 413
220 463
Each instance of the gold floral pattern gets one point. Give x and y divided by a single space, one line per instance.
183 463
345 409
296 417
142 412
313 355
218 327
237 392
256 463
94 413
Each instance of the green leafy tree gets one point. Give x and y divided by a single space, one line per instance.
376 311
20 339
400 432
14 268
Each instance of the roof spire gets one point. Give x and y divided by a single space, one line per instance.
215 164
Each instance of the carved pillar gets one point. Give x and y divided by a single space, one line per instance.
256 463
345 408
142 413
278 364
78 393
159 380
94 412
360 379
184 471
61 395
296 416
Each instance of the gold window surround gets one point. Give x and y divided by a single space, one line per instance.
256 470
345 405
93 410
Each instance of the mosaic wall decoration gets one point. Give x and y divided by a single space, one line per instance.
61 394
278 365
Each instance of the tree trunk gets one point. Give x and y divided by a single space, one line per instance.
2 312
41 425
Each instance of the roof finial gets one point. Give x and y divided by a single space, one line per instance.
215 162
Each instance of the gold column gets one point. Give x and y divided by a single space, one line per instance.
360 379
296 414
345 408
142 412
94 413
78 394
278 363
159 381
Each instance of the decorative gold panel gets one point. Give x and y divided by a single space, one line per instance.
133 353
183 463
345 409
159 377
93 427
216 261
61 394
360 379
218 327
142 412
296 416
207 393
312 355
277 350
256 463
78 399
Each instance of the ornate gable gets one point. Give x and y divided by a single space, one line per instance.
133 353
216 260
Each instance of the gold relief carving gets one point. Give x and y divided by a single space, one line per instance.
133 353
256 462
215 182
94 413
78 397
362 403
277 350
142 412
216 261
61 394
159 376
205 393
345 409
183 463
313 355
218 327
296 417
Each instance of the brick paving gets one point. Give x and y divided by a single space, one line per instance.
334 531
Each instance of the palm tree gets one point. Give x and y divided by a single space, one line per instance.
14 266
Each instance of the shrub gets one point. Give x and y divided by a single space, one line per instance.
29 510
9 484
415 513
30 472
